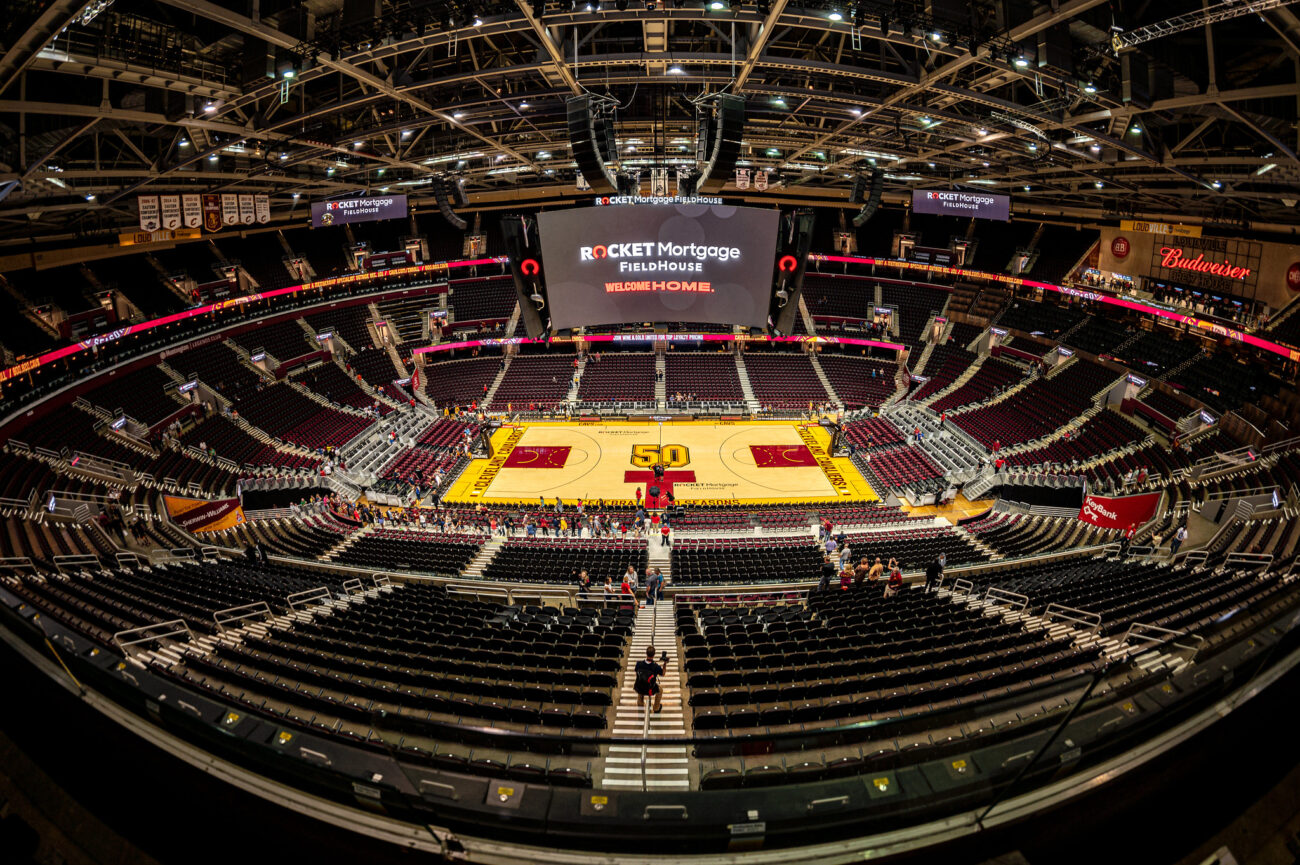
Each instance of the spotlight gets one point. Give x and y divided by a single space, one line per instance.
676 70
1021 61
835 15
717 5
1099 184
90 196
936 36
1090 88
1217 184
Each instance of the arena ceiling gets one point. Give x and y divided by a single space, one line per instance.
1083 107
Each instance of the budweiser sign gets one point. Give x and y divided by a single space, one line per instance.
1174 259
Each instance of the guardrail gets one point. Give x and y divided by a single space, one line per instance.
1090 621
238 614
74 560
1249 559
13 563
1147 634
167 630
128 560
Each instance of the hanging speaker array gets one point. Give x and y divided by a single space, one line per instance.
873 198
442 192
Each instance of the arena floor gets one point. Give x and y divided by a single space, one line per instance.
707 463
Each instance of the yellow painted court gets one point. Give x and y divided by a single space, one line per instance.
706 463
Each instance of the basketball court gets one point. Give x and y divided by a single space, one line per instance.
705 463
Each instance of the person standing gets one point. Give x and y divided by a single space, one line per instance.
647 684
1128 538
1177 541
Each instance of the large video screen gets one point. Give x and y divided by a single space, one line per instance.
658 262
361 209
955 202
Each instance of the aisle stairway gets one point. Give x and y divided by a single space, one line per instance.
751 402
649 767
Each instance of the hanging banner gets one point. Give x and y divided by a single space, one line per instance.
148 207
229 209
262 205
171 211
247 213
1119 512
760 180
212 212
199 515
191 211
742 178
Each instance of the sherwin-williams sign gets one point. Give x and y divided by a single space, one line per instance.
201 515
956 202
361 209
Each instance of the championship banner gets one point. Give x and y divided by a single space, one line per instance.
200 515
171 211
760 180
229 209
247 213
191 211
212 212
148 207
262 206
742 178
1119 512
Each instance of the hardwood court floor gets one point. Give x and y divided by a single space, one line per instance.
707 463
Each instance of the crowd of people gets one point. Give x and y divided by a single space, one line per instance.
840 573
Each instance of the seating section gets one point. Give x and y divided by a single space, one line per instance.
905 467
146 394
916 304
1050 319
1017 535
784 381
839 296
305 539
1169 406
1224 385
543 380
375 365
705 377
399 549
1155 353
1099 335
1104 432
556 560
219 367
459 382
348 322
618 378
283 340
859 381
946 364
482 299
914 548
873 432
993 377
136 278
839 658
330 381
1038 408
704 562
404 316
293 417
227 439
323 248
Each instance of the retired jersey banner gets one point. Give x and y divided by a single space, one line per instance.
191 211
229 209
148 207
201 515
171 211
247 212
212 212
1119 512
262 204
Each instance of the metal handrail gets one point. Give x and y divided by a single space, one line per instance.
965 587
13 563
1014 600
244 611
307 597
1256 559
75 559
1148 634
1090 620
148 633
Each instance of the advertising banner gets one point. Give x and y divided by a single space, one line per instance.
149 217
363 209
954 202
191 211
201 515
262 206
669 262
171 211
1118 512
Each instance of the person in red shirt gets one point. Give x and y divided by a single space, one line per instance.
895 582
638 497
